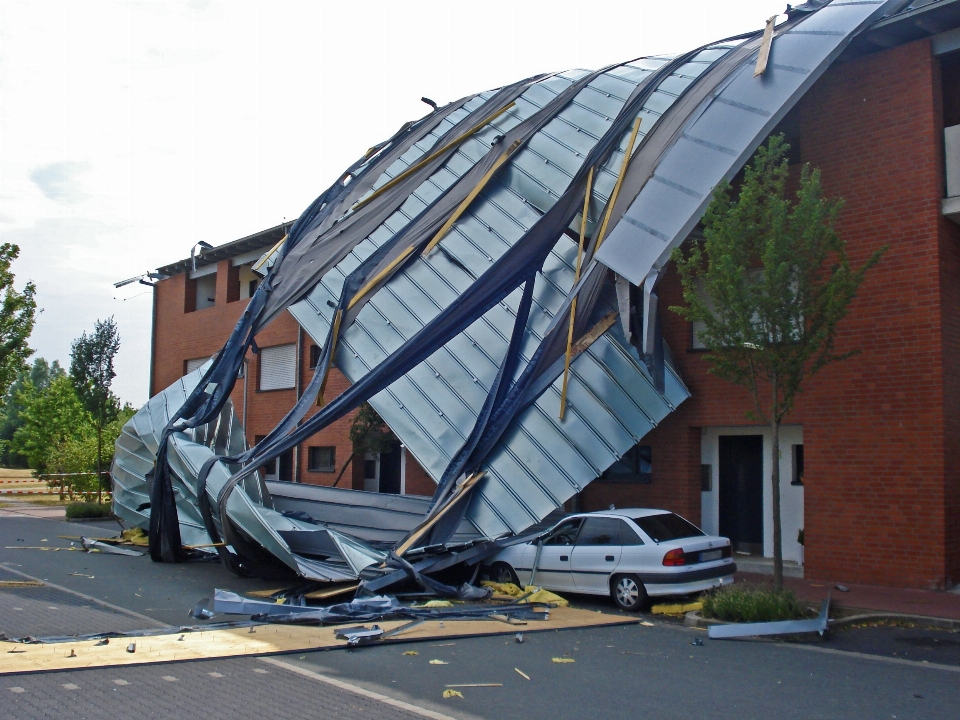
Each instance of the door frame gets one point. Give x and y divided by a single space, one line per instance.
791 496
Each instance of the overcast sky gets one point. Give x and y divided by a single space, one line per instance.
131 130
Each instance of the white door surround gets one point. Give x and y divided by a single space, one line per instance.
791 496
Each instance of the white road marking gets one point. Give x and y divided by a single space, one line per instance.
357 689
878 658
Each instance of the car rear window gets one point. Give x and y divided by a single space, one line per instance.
668 526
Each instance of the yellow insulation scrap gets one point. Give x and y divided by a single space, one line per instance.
676 609
136 536
452 693
436 604
532 593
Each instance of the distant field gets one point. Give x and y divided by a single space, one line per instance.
12 473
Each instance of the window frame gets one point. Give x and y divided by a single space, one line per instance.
293 384
332 467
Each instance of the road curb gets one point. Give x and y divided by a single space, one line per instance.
696 620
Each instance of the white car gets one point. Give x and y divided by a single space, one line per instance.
627 554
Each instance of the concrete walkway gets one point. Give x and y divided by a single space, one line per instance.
869 598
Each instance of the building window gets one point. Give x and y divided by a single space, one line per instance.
278 367
201 292
280 469
322 459
247 281
314 356
797 465
193 364
636 466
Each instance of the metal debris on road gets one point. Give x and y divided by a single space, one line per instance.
781 627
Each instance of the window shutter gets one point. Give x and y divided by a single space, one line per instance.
195 364
278 366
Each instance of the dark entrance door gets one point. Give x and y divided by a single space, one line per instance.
741 491
390 471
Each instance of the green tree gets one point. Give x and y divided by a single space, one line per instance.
368 433
49 417
17 317
40 374
769 286
91 370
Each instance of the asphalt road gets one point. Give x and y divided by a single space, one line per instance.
632 671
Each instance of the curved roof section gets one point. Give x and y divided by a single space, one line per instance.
702 115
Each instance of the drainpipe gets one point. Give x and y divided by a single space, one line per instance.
403 469
299 388
246 374
153 341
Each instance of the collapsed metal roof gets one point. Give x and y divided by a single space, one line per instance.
487 279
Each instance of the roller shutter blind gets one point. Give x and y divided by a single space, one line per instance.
278 367
195 364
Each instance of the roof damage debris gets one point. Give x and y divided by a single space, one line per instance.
487 280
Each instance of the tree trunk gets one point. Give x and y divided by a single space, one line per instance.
99 457
775 481
343 469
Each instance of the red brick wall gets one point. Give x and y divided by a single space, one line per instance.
417 480
949 101
182 336
882 429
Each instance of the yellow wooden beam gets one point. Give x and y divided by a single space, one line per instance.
425 526
627 156
470 197
378 277
416 166
573 303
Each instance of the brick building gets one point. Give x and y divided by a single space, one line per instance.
194 310
870 455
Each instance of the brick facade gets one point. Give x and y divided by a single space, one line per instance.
882 429
180 336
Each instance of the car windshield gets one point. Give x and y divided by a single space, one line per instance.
668 526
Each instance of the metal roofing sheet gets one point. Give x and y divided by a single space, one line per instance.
540 462
724 131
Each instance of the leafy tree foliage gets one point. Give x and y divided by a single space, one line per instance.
769 287
49 417
17 317
92 373
40 375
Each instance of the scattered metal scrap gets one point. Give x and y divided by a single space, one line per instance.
89 544
782 627
466 276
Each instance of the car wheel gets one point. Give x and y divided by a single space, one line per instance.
502 573
628 592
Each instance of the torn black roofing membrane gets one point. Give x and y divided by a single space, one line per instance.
474 277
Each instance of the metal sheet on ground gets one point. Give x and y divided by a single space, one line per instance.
266 640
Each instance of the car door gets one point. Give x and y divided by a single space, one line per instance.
553 570
596 554
636 556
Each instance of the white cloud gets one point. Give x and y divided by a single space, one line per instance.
130 130
60 181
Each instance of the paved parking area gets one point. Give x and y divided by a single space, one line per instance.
45 611
631 670
229 689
